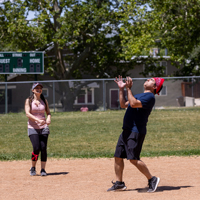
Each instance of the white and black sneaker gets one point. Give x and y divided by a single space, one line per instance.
117 186
32 171
153 184
43 172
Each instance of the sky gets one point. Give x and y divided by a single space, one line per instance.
30 15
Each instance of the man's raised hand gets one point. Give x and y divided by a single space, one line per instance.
129 82
120 82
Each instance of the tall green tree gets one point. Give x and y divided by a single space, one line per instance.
178 21
88 29
139 36
174 23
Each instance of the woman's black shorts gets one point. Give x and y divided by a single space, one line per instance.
129 145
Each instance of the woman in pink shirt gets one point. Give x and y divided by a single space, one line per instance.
35 107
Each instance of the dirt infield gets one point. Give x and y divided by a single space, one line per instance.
88 179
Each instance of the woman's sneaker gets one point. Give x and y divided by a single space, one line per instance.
32 171
43 172
117 186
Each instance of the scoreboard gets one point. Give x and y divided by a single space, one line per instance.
22 62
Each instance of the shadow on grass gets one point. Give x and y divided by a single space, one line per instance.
57 173
160 188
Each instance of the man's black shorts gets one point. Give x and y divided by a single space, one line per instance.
129 145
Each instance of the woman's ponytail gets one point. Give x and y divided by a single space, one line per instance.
31 97
44 100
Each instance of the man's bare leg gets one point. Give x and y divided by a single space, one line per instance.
119 167
142 168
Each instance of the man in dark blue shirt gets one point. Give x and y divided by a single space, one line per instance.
134 129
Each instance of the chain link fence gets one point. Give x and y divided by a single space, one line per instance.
97 94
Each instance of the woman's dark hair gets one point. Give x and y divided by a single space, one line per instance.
41 96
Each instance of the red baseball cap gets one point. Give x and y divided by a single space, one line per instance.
159 83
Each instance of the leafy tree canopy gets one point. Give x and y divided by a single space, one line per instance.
172 23
81 37
86 31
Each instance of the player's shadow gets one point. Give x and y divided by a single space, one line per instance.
57 173
159 188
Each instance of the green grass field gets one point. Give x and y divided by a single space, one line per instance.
95 134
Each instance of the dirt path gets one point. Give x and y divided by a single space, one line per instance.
88 179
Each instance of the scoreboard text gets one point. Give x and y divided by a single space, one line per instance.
21 62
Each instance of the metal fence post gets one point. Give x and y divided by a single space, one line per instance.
6 95
192 87
104 104
6 98
54 96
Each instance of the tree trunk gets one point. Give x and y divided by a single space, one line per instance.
68 93
67 96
